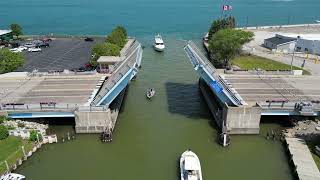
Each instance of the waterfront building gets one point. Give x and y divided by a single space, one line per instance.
5 35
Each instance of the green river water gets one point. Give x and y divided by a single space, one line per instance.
151 135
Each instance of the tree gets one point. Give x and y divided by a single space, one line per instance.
219 24
3 119
34 135
16 29
226 44
103 49
10 61
4 133
118 36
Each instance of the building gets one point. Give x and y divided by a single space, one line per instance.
6 35
280 43
305 43
309 44
108 63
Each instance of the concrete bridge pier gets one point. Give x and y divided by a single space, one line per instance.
231 120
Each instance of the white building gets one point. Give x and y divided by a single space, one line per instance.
306 43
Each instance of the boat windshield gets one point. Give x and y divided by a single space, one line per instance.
159 43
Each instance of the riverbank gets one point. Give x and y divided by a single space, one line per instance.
12 150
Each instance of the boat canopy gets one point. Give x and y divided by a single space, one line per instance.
191 163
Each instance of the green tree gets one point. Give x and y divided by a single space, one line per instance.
10 61
16 30
4 133
34 135
104 49
219 24
2 119
227 43
118 36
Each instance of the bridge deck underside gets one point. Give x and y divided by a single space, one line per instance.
59 89
254 88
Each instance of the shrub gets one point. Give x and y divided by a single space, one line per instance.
4 133
2 119
118 36
34 135
10 61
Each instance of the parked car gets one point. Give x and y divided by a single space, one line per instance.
46 40
15 50
29 45
89 39
22 48
15 45
34 49
42 44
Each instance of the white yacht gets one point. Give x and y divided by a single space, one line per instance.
190 166
158 43
12 176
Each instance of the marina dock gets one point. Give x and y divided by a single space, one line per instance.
301 157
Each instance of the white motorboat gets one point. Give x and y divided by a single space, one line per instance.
158 43
317 21
190 166
150 93
12 176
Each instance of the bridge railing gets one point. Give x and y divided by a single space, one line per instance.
207 65
50 107
121 69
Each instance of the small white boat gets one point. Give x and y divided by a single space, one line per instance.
12 176
317 21
190 166
158 43
150 93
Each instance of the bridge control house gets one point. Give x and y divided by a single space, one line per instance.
107 64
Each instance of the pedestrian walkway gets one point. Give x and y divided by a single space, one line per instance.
302 159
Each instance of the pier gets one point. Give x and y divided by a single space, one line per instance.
237 100
93 99
301 157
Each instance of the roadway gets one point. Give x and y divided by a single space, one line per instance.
65 89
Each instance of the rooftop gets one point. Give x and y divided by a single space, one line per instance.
3 32
278 40
110 59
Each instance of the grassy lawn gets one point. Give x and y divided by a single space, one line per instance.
11 151
254 62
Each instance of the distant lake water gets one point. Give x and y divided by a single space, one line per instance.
182 18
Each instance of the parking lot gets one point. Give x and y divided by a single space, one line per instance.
63 53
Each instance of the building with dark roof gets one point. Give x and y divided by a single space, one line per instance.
280 43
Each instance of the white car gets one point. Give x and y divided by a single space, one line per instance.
16 50
22 48
29 45
34 50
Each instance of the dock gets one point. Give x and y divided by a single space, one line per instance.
301 157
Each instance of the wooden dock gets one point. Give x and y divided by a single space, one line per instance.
301 157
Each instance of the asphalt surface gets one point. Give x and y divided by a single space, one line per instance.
73 89
253 88
63 53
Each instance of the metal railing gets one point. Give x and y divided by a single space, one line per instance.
121 69
50 107
206 64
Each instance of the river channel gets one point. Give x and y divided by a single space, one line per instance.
151 135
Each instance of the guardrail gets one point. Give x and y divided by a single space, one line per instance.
50 106
206 64
121 69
